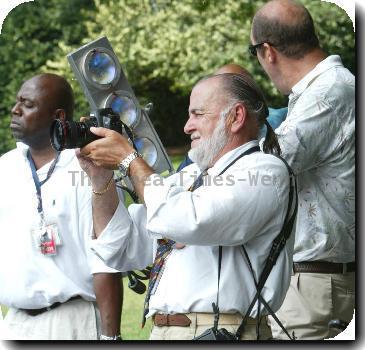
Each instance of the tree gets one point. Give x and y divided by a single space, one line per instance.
29 37
166 46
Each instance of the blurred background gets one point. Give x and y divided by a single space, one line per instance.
164 47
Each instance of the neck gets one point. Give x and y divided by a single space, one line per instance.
300 68
42 156
236 141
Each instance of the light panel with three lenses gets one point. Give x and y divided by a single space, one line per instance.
102 79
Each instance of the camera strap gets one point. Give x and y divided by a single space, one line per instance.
215 305
276 248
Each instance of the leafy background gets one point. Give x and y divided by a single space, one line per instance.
164 46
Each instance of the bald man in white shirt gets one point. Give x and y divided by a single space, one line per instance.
49 278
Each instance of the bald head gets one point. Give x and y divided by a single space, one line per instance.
58 91
287 11
232 68
39 101
287 25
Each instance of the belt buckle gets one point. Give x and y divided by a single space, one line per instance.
344 268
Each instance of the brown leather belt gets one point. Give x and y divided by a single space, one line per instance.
323 267
36 312
181 320
201 318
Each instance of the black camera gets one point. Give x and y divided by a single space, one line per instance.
70 134
216 334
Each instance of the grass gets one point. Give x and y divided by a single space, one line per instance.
132 315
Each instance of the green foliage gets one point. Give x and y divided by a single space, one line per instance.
335 31
29 36
164 46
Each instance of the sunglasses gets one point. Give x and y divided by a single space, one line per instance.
253 48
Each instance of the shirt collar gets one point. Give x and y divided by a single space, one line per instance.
327 63
66 157
228 157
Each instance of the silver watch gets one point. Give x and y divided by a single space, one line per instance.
105 337
125 163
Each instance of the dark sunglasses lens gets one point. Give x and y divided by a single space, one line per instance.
252 50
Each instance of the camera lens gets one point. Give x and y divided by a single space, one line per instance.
58 135
69 134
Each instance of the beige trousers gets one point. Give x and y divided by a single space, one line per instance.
312 300
74 320
200 322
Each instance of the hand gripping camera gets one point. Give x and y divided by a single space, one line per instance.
70 134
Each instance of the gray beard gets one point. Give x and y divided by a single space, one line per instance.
207 150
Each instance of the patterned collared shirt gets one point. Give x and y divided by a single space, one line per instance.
318 140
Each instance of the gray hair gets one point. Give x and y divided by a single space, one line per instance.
243 89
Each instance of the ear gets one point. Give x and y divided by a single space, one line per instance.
60 114
238 118
270 53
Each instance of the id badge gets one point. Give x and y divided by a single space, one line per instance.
47 243
46 239
53 231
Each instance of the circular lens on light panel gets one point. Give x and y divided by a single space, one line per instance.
101 68
147 149
126 108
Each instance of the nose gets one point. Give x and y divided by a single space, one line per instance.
189 126
16 110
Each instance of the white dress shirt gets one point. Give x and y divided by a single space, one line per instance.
230 211
28 279
318 141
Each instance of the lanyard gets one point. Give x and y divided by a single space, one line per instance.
38 183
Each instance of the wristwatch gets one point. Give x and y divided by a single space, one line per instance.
105 337
125 163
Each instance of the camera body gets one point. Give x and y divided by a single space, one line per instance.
216 335
70 134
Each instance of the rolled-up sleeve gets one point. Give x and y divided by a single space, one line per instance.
124 243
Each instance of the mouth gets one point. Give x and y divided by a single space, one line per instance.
194 139
14 124
16 130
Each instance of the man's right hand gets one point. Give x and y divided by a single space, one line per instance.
99 176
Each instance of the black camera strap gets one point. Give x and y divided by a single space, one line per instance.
263 301
215 305
276 248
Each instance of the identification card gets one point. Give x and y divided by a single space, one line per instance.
47 244
53 230
46 239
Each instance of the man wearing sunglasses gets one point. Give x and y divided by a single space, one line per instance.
317 139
